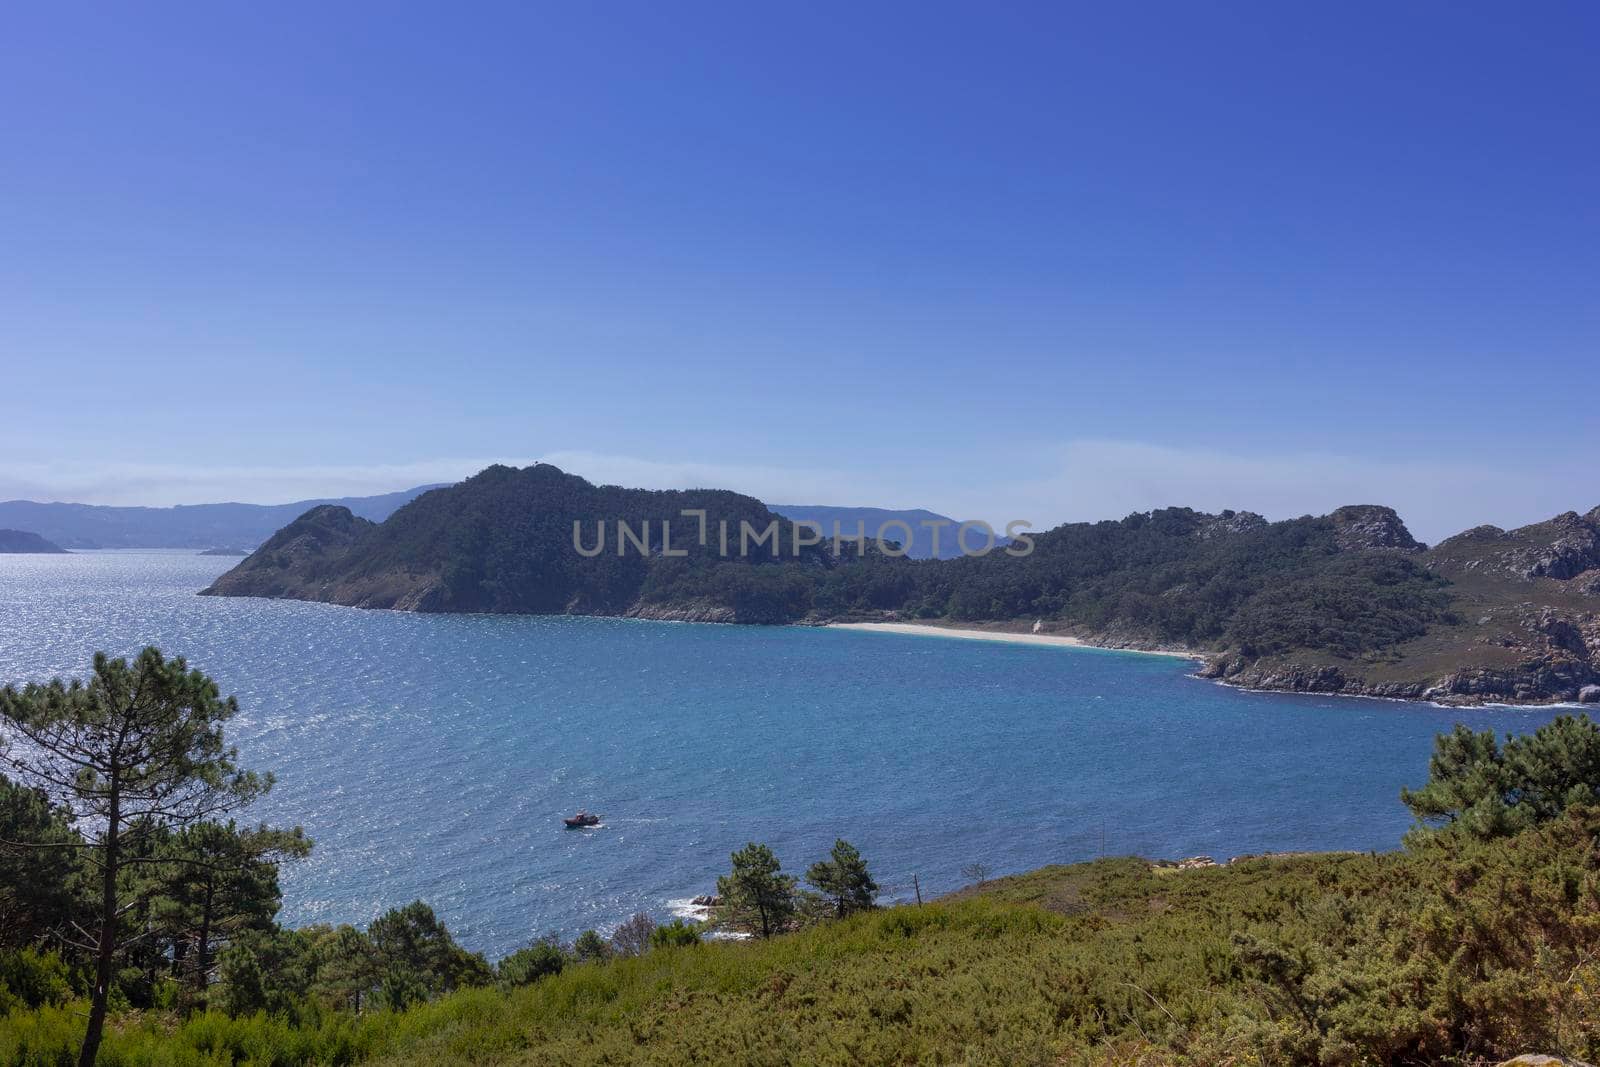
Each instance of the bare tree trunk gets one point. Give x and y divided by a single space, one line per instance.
107 948
203 968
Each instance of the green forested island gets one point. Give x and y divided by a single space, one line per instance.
137 928
1347 602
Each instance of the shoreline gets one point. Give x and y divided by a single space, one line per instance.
1048 640
1421 702
916 629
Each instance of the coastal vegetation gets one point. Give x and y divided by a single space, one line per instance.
1471 944
1346 602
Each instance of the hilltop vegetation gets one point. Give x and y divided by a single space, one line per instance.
503 541
1346 602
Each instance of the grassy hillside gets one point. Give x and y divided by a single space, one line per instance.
1460 951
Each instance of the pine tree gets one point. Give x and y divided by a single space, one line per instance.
1478 787
217 882
37 858
844 879
136 750
590 946
756 893
412 942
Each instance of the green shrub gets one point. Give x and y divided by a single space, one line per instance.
675 933
527 965
32 979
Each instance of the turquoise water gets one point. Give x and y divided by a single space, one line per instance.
432 756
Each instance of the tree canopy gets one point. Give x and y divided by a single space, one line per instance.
134 752
756 892
1480 787
844 880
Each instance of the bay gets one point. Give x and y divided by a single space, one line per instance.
433 756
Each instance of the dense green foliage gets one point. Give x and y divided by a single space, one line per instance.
756 894
1479 787
1175 576
1459 950
135 756
503 541
678 933
843 880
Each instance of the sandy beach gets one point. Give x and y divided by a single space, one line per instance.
926 630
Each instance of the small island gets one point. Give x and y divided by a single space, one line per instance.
23 541
224 552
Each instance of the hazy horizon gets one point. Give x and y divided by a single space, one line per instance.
1283 497
1037 262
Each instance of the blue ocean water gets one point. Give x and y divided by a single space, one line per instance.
432 756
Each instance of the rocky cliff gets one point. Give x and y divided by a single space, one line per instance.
1523 625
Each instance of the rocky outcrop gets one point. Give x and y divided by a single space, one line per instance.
1517 632
1364 527
1564 548
693 611
1292 677
1228 522
1533 656
1541 680
1573 549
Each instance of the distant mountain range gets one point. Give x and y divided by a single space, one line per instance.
241 526
1347 602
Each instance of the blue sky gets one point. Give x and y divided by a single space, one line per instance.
1042 261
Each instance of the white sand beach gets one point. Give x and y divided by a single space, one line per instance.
927 630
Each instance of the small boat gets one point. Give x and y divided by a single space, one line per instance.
580 820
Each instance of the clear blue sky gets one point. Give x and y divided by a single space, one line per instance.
1047 259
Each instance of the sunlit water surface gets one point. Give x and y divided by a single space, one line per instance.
432 756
